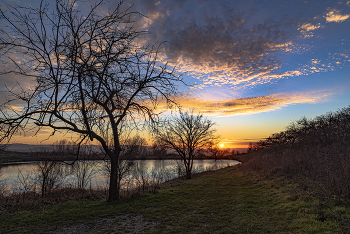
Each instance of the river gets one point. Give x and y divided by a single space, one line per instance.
94 174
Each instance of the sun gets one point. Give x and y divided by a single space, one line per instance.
221 145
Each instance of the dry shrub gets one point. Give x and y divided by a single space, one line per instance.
315 153
32 201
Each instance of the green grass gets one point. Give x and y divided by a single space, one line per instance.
227 201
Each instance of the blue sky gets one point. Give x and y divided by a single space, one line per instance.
254 66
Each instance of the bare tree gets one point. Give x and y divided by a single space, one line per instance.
90 74
188 134
158 151
49 171
134 148
141 176
214 149
83 171
2 183
131 148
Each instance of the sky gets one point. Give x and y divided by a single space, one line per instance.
253 66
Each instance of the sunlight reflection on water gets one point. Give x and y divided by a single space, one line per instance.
100 177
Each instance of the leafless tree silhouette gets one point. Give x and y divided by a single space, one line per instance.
91 76
188 134
49 172
215 150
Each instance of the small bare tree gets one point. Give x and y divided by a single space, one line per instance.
83 171
49 170
214 149
90 74
188 134
158 151
141 176
3 181
26 182
134 147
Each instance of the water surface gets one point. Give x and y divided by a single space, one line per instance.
15 176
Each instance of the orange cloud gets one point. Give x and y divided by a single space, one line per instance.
336 16
228 107
233 77
309 27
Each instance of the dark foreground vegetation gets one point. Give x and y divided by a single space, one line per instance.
315 153
226 201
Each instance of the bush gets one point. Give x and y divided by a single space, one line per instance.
314 152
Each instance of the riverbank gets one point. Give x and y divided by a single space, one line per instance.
225 201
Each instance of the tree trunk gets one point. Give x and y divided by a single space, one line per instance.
43 187
114 180
188 170
188 174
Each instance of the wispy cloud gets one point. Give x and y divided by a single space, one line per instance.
241 80
336 16
250 105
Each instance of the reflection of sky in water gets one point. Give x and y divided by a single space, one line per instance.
98 169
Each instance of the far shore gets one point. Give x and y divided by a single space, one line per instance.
8 158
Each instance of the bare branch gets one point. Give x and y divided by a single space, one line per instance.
91 76
188 134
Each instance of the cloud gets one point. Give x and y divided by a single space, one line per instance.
242 80
309 27
216 42
220 45
250 105
336 16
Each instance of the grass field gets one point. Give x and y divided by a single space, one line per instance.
225 201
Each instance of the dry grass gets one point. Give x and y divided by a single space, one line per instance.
33 201
225 201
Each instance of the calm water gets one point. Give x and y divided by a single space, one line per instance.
15 176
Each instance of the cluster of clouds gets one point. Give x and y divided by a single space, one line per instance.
336 16
332 15
219 44
213 43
